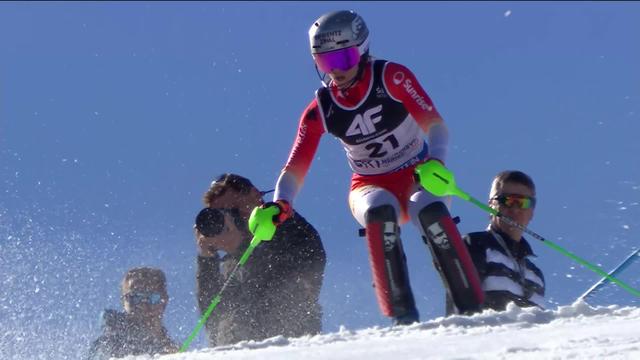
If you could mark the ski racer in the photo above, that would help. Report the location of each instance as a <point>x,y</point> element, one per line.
<point>381,115</point>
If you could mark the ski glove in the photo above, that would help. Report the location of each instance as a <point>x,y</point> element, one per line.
<point>286,211</point>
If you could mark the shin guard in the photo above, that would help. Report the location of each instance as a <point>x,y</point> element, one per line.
<point>388,263</point>
<point>451,257</point>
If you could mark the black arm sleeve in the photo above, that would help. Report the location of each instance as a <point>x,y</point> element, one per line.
<point>297,278</point>
<point>95,350</point>
<point>208,280</point>
<point>477,251</point>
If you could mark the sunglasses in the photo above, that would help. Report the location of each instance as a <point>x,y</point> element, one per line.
<point>263,193</point>
<point>343,59</point>
<point>515,201</point>
<point>138,298</point>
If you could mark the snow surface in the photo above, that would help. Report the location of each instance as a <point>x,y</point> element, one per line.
<point>577,331</point>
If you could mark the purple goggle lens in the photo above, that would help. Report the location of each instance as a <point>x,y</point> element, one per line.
<point>343,59</point>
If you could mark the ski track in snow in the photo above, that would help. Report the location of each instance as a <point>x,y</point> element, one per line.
<point>577,331</point>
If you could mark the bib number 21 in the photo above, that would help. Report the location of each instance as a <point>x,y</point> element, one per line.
<point>376,148</point>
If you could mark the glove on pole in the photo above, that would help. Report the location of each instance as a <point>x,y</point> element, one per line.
<point>438,180</point>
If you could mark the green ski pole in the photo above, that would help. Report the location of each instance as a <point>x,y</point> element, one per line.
<point>440,181</point>
<point>262,227</point>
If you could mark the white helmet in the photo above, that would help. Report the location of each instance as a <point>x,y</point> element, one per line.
<point>338,30</point>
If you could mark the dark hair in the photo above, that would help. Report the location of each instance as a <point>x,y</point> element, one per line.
<point>512,176</point>
<point>224,182</point>
<point>147,275</point>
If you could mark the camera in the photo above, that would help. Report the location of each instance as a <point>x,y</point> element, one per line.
<point>210,222</point>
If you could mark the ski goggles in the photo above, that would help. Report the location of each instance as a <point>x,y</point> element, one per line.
<point>138,298</point>
<point>515,201</point>
<point>342,59</point>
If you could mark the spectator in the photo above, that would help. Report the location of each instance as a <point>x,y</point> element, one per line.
<point>139,329</point>
<point>276,292</point>
<point>501,254</point>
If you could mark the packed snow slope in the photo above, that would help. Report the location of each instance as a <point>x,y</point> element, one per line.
<point>568,332</point>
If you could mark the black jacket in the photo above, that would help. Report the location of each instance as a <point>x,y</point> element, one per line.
<point>507,273</point>
<point>122,337</point>
<point>275,293</point>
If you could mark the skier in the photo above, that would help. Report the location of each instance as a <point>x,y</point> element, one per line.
<point>380,113</point>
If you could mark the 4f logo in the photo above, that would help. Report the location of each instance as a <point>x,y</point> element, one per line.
<point>365,124</point>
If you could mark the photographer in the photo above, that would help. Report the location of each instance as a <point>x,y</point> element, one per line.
<point>276,292</point>
<point>139,329</point>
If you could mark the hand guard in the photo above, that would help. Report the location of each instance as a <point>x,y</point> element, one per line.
<point>436,159</point>
<point>435,177</point>
<point>264,219</point>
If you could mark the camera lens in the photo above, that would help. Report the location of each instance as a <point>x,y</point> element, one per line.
<point>210,222</point>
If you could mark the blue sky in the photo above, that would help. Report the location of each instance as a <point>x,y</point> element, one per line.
<point>114,118</point>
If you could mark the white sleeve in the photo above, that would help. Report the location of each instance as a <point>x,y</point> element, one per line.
<point>286,188</point>
<point>438,139</point>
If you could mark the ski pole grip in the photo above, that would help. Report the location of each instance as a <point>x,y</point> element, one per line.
<point>435,178</point>
<point>261,222</point>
